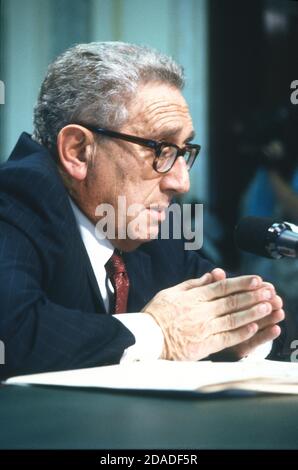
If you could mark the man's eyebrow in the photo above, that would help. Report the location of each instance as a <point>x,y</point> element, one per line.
<point>190,137</point>
<point>167,135</point>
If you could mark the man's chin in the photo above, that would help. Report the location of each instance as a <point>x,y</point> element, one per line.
<point>128,245</point>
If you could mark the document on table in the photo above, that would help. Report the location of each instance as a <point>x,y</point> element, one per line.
<point>201,377</point>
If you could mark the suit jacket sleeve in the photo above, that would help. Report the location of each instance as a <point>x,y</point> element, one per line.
<point>40,335</point>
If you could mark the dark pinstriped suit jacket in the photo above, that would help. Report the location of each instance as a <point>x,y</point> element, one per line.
<point>51,313</point>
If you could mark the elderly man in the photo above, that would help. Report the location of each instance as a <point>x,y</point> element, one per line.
<point>111,121</point>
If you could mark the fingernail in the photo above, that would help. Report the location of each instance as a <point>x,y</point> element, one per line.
<point>267,294</point>
<point>252,328</point>
<point>255,282</point>
<point>263,308</point>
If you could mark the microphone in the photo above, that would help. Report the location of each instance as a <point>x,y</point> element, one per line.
<point>265,237</point>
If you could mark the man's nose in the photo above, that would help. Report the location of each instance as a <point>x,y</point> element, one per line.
<point>177,179</point>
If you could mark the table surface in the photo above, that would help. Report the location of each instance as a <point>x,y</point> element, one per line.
<point>39,417</point>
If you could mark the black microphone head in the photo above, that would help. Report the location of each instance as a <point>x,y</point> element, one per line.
<point>251,234</point>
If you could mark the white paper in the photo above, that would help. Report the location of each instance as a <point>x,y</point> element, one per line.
<point>204,376</point>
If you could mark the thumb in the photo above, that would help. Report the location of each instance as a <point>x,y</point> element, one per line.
<point>218,274</point>
<point>192,283</point>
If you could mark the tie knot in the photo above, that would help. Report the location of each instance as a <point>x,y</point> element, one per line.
<point>115,265</point>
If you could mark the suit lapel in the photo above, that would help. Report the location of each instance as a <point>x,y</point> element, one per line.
<point>98,301</point>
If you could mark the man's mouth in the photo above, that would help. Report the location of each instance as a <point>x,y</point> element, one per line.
<point>158,212</point>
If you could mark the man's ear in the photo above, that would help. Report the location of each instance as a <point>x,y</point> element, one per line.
<point>72,144</point>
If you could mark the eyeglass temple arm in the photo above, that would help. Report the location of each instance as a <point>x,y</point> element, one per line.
<point>118,135</point>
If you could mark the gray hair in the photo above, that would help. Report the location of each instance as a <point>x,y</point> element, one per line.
<point>94,82</point>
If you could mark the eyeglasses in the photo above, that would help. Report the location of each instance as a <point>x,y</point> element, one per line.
<point>166,153</point>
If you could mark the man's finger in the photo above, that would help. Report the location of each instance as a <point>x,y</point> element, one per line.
<point>276,302</point>
<point>229,286</point>
<point>275,316</point>
<point>239,302</point>
<point>236,320</point>
<point>218,274</point>
<point>228,339</point>
<point>268,334</point>
<point>193,283</point>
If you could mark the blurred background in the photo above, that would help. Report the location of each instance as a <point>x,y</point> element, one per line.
<point>240,59</point>
<point>34,32</point>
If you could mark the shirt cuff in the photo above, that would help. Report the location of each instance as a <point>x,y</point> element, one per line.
<point>261,352</point>
<point>148,335</point>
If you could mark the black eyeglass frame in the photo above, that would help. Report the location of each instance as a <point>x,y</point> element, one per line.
<point>157,146</point>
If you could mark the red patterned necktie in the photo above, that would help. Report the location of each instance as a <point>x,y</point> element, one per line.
<point>116,271</point>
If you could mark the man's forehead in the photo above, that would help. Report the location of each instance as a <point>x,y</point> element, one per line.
<point>153,96</point>
<point>163,109</point>
<point>170,132</point>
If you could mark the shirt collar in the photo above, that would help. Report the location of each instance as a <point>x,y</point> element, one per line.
<point>103,246</point>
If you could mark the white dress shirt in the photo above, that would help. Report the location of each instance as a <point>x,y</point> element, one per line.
<point>148,335</point>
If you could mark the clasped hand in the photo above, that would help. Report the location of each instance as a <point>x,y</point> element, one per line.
<point>203,316</point>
